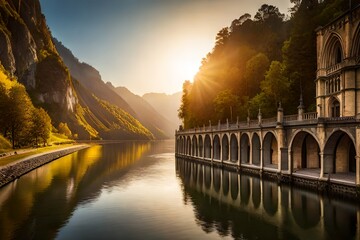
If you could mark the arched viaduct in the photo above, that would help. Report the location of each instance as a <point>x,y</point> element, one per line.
<point>314,148</point>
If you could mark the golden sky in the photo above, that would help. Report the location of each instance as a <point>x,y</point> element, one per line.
<point>145,45</point>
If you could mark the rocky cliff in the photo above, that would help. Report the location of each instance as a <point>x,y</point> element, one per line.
<point>30,55</point>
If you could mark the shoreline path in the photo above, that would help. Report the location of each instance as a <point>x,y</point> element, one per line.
<point>16,169</point>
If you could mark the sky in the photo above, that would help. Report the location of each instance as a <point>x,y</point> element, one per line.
<point>145,45</point>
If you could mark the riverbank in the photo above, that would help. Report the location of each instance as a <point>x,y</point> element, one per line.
<point>12,171</point>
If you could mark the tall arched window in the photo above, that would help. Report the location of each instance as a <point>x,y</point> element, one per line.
<point>334,108</point>
<point>338,55</point>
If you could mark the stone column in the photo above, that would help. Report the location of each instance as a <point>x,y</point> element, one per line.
<point>321,165</point>
<point>357,149</point>
<point>301,109</point>
<point>281,133</point>
<point>260,117</point>
<point>239,151</point>
<point>280,114</point>
<point>321,134</point>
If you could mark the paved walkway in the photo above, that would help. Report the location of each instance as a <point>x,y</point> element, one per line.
<point>314,173</point>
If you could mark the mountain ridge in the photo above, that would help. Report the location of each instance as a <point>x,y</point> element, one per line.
<point>147,114</point>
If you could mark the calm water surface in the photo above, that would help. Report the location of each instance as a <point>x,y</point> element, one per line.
<point>138,190</point>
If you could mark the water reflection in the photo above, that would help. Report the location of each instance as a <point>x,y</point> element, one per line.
<point>26,214</point>
<point>246,207</point>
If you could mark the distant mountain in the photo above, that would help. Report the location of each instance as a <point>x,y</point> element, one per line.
<point>166,105</point>
<point>155,122</point>
<point>107,113</point>
<point>107,120</point>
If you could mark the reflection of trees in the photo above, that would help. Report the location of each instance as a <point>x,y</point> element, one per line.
<point>41,202</point>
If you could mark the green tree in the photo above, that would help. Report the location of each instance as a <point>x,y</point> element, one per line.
<point>276,85</point>
<point>41,125</point>
<point>4,109</point>
<point>19,114</point>
<point>255,71</point>
<point>267,12</point>
<point>225,104</point>
<point>64,129</point>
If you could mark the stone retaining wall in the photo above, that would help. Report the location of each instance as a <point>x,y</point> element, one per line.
<point>15,170</point>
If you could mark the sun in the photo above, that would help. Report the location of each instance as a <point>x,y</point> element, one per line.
<point>186,66</point>
<point>184,61</point>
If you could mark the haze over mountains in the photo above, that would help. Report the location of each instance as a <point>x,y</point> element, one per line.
<point>69,90</point>
<point>148,114</point>
<point>166,105</point>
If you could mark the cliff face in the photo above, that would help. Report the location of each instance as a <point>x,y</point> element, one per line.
<point>90,78</point>
<point>28,54</point>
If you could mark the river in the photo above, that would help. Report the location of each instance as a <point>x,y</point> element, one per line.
<point>138,190</point>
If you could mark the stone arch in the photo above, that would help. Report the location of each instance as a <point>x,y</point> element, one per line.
<point>188,145</point>
<point>340,221</point>
<point>216,179</point>
<point>234,148</point>
<point>178,144</point>
<point>270,198</point>
<point>244,189</point>
<point>225,182</point>
<point>255,142</point>
<point>194,144</point>
<point>183,145</point>
<point>244,148</point>
<point>305,151</point>
<point>334,107</point>
<point>234,185</point>
<point>270,150</point>
<point>305,209</point>
<point>256,192</point>
<point>207,176</point>
<point>207,146</point>
<point>201,146</point>
<point>339,153</point>
<point>333,52</point>
<point>216,147</point>
<point>225,147</point>
<point>355,46</point>
<point>201,176</point>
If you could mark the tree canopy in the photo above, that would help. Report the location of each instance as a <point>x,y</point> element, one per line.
<point>20,121</point>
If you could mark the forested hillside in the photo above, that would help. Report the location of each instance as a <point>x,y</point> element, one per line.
<point>258,62</point>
